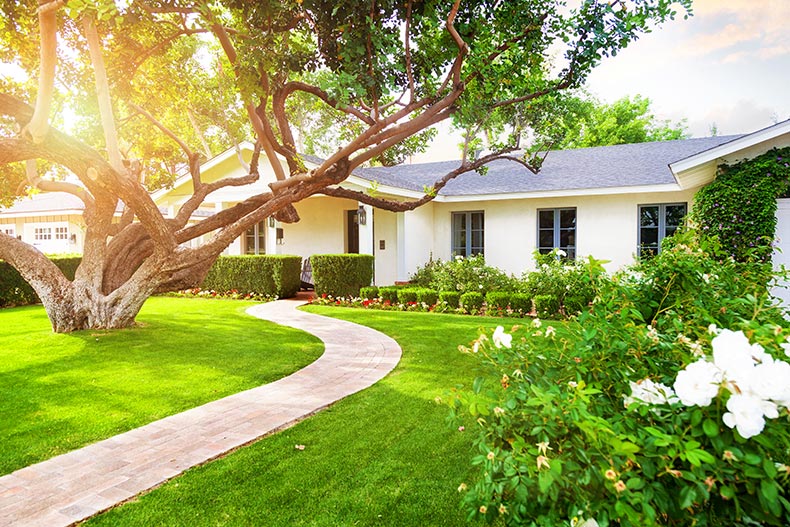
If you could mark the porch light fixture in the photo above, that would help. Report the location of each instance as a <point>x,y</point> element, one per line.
<point>271,221</point>
<point>362,215</point>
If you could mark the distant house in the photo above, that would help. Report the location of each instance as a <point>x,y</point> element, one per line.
<point>50,221</point>
<point>610,202</point>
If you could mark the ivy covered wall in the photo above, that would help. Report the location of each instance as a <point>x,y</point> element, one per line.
<point>740,204</point>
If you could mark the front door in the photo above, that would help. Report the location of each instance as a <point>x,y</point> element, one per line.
<point>352,232</point>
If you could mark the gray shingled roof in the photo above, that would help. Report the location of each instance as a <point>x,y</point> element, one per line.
<point>584,168</point>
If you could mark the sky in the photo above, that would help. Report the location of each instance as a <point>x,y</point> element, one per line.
<point>728,65</point>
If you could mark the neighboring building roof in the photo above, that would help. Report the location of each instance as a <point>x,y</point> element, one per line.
<point>630,165</point>
<point>45,203</point>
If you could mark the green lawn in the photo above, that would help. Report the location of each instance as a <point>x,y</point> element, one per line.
<point>384,456</point>
<point>60,392</point>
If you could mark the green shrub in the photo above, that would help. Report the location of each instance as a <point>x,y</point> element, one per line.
<point>407,295</point>
<point>560,278</point>
<point>389,294</point>
<point>426,296</point>
<point>341,274</point>
<point>547,306</point>
<point>369,293</point>
<point>521,303</point>
<point>269,274</point>
<point>556,446</point>
<point>469,274</point>
<point>453,298</point>
<point>497,300</point>
<point>471,302</point>
<point>424,276</point>
<point>15,291</point>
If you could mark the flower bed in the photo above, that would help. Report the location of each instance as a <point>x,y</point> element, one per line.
<point>233,294</point>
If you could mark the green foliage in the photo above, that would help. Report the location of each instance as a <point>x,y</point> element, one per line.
<point>547,306</point>
<point>389,294</point>
<point>471,302</point>
<point>498,300</point>
<point>556,445</point>
<point>407,295</point>
<point>566,283</point>
<point>452,298</point>
<point>427,296</point>
<point>341,274</point>
<point>466,274</point>
<point>424,275</point>
<point>580,122</point>
<point>369,293</point>
<point>273,275</point>
<point>15,291</point>
<point>521,303</point>
<point>739,206</point>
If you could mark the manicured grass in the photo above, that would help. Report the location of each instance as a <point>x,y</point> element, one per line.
<point>384,456</point>
<point>60,392</point>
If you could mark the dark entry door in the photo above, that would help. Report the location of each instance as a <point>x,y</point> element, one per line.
<point>352,232</point>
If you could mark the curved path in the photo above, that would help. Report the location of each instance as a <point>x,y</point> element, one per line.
<point>77,485</point>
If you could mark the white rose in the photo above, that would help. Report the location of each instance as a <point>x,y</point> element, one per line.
<point>698,383</point>
<point>745,415</point>
<point>501,338</point>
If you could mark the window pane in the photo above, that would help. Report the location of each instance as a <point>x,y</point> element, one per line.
<point>546,219</point>
<point>477,220</point>
<point>567,239</point>
<point>675,214</point>
<point>546,239</point>
<point>649,236</point>
<point>648,216</point>
<point>567,219</point>
<point>477,240</point>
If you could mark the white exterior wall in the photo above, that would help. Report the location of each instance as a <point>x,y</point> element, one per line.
<point>418,233</point>
<point>321,229</point>
<point>606,227</point>
<point>782,256</point>
<point>25,227</point>
<point>385,229</point>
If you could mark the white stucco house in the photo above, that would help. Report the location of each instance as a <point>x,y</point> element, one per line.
<point>610,202</point>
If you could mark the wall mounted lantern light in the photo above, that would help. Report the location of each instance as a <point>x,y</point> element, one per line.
<point>362,215</point>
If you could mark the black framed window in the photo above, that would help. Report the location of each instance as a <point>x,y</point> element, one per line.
<point>557,230</point>
<point>468,233</point>
<point>255,239</point>
<point>656,222</point>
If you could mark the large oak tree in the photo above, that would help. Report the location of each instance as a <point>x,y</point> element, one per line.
<point>207,72</point>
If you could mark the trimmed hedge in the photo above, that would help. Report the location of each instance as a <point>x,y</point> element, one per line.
<point>389,294</point>
<point>498,299</point>
<point>453,298</point>
<point>406,296</point>
<point>15,291</point>
<point>521,303</point>
<point>269,274</point>
<point>369,293</point>
<point>547,306</point>
<point>426,296</point>
<point>472,301</point>
<point>341,274</point>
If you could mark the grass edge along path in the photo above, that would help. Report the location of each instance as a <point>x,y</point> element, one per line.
<point>59,392</point>
<point>384,456</point>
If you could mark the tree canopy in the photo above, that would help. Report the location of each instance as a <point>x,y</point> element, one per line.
<point>585,121</point>
<point>118,97</point>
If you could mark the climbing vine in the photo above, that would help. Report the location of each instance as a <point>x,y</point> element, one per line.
<point>739,206</point>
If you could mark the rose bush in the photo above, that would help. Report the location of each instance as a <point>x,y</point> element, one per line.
<point>641,411</point>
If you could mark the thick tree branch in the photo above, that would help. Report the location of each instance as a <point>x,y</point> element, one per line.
<point>103,95</point>
<point>48,56</point>
<point>252,114</point>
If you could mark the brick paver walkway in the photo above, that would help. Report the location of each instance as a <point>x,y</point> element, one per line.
<point>75,486</point>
